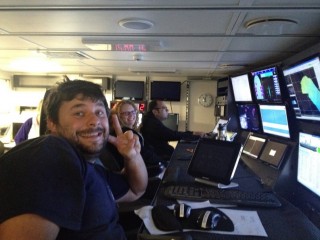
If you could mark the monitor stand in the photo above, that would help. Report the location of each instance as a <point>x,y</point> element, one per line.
<point>215,184</point>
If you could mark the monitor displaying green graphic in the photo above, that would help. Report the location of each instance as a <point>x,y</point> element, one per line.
<point>303,81</point>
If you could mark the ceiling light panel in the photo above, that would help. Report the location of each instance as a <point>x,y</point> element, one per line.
<point>129,45</point>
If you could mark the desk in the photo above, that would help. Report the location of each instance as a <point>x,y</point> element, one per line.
<point>284,223</point>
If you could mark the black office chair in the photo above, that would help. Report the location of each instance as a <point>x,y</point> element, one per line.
<point>127,218</point>
<point>1,148</point>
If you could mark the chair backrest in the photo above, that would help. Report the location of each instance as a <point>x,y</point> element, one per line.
<point>1,148</point>
<point>43,117</point>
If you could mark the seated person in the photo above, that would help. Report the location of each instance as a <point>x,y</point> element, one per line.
<point>127,113</point>
<point>54,186</point>
<point>30,128</point>
<point>157,134</point>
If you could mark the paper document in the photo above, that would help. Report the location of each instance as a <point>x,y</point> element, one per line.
<point>245,222</point>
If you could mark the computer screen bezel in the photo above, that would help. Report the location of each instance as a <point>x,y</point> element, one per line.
<point>294,101</point>
<point>165,91</point>
<point>206,156</point>
<point>270,133</point>
<point>137,89</point>
<point>300,159</point>
<point>249,104</point>
<point>241,92</point>
<point>276,74</point>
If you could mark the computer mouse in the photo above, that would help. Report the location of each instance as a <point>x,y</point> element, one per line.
<point>181,210</point>
<point>164,219</point>
<point>208,219</point>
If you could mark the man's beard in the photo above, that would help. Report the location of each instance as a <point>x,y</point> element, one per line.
<point>92,149</point>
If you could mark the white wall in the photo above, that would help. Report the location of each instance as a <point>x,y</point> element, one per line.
<point>200,118</point>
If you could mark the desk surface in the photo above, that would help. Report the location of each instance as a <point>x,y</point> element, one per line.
<point>286,222</point>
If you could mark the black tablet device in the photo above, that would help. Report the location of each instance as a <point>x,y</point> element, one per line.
<point>215,161</point>
<point>273,153</point>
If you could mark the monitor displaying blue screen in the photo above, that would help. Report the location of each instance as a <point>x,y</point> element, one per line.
<point>303,81</point>
<point>249,117</point>
<point>308,162</point>
<point>266,85</point>
<point>274,120</point>
<point>241,88</point>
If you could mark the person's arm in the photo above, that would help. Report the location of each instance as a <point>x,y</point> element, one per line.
<point>157,129</point>
<point>28,227</point>
<point>135,170</point>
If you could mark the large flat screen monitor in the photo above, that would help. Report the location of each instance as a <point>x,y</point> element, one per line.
<point>133,90</point>
<point>303,81</point>
<point>309,162</point>
<point>248,115</point>
<point>241,88</point>
<point>165,90</point>
<point>274,120</point>
<point>266,85</point>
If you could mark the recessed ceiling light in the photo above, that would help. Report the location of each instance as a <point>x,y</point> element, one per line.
<point>136,23</point>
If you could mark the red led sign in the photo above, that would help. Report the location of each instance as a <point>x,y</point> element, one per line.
<point>129,47</point>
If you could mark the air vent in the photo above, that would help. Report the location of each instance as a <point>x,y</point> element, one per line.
<point>271,26</point>
<point>262,21</point>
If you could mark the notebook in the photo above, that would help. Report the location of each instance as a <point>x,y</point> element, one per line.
<point>273,153</point>
<point>215,161</point>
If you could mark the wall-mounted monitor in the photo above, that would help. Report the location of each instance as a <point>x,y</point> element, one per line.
<point>266,86</point>
<point>165,90</point>
<point>274,119</point>
<point>308,162</point>
<point>303,83</point>
<point>248,115</point>
<point>133,90</point>
<point>241,88</point>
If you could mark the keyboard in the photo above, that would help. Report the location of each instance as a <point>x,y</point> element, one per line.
<point>224,196</point>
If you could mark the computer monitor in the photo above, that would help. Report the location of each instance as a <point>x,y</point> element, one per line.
<point>241,88</point>
<point>133,90</point>
<point>303,82</point>
<point>274,120</point>
<point>308,162</point>
<point>253,146</point>
<point>248,115</point>
<point>165,90</point>
<point>266,86</point>
<point>172,121</point>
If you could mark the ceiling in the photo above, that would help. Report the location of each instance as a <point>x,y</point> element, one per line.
<point>187,38</point>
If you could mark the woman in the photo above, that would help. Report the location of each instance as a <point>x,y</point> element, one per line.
<point>128,116</point>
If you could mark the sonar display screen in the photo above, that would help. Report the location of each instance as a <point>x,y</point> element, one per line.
<point>303,82</point>
<point>266,85</point>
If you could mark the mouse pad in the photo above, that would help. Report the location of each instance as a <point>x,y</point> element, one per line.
<point>165,220</point>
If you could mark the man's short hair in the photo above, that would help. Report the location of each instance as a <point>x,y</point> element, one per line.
<point>68,90</point>
<point>152,105</point>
